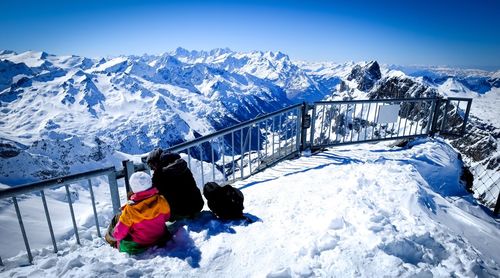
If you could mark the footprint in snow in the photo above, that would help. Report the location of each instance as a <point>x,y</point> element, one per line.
<point>337,223</point>
<point>282,273</point>
<point>379,223</point>
<point>417,249</point>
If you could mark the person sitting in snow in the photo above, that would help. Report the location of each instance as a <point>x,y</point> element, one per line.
<point>175,181</point>
<point>141,223</point>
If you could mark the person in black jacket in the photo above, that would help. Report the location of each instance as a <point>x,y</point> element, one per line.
<point>175,182</point>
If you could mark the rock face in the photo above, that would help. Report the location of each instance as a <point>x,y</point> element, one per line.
<point>401,87</point>
<point>366,76</point>
<point>479,142</point>
<point>10,149</point>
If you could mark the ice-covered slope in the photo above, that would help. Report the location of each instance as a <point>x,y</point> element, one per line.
<point>371,211</point>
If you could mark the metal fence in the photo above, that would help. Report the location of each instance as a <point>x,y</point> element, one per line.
<point>242,150</point>
<point>452,115</point>
<point>486,186</point>
<point>358,121</point>
<point>40,187</point>
<point>352,122</point>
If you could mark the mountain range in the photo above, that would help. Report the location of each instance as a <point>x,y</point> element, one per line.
<point>63,114</point>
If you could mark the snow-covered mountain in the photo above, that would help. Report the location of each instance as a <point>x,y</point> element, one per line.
<point>61,114</point>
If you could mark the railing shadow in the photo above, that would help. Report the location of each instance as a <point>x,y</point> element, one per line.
<point>335,160</point>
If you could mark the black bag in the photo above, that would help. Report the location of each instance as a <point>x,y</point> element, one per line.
<point>226,202</point>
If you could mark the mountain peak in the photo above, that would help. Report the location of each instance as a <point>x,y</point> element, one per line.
<point>278,55</point>
<point>181,51</point>
<point>220,51</point>
<point>6,52</point>
<point>366,75</point>
<point>43,55</point>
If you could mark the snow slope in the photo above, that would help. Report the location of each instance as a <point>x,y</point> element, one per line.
<point>371,211</point>
<point>486,107</point>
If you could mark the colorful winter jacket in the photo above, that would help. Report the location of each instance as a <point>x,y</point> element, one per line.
<point>143,218</point>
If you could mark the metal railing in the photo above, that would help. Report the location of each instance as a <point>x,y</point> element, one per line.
<point>359,121</point>
<point>242,150</point>
<point>452,115</point>
<point>225,156</point>
<point>40,187</point>
<point>351,122</point>
<point>486,186</point>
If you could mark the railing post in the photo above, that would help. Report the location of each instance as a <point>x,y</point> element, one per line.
<point>241,153</point>
<point>305,123</point>
<point>298,129</point>
<point>70,203</point>
<point>201,163</point>
<point>497,207</point>
<point>436,109</point>
<point>23,231</point>
<point>113,189</point>
<point>313,122</point>
<point>49,223</point>
<point>94,208</point>
<point>445,116</point>
<point>466,118</point>
<point>128,168</point>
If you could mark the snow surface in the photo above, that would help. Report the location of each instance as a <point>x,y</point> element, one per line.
<point>487,107</point>
<point>372,210</point>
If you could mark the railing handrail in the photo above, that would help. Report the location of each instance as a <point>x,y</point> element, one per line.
<point>49,183</point>
<point>459,98</point>
<point>377,100</point>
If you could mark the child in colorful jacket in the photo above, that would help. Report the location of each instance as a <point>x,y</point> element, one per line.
<point>142,220</point>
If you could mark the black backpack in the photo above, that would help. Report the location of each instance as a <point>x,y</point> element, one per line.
<point>226,202</point>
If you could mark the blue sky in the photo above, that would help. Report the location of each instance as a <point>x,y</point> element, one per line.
<point>455,33</point>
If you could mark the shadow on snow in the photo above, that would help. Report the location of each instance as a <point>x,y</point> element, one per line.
<point>182,246</point>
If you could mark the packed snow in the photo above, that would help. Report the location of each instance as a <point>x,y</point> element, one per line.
<point>372,210</point>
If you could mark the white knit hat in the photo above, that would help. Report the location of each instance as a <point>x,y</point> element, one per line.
<point>140,181</point>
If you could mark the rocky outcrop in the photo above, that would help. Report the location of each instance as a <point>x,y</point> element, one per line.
<point>479,143</point>
<point>400,87</point>
<point>366,76</point>
<point>10,148</point>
